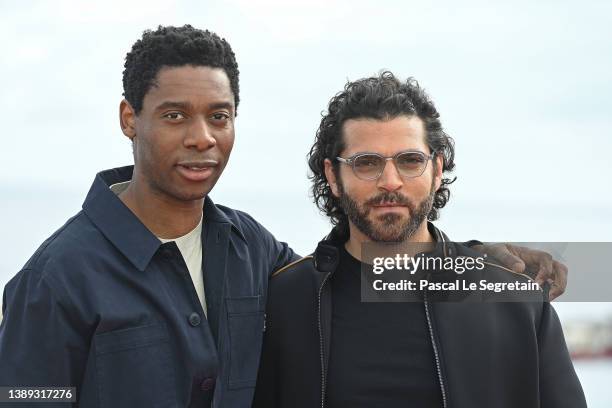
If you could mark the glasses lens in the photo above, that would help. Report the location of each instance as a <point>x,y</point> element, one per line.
<point>368,166</point>
<point>411,164</point>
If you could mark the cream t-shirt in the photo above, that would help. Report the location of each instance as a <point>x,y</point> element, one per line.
<point>190,246</point>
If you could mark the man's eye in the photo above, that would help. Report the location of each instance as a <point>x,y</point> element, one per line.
<point>370,161</point>
<point>174,115</point>
<point>220,116</point>
<point>410,159</point>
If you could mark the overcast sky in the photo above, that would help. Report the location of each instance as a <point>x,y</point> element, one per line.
<point>523,88</point>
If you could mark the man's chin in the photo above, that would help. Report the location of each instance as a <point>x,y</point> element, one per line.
<point>194,191</point>
<point>382,232</point>
<point>387,237</point>
<point>390,219</point>
<point>194,197</point>
<point>186,195</point>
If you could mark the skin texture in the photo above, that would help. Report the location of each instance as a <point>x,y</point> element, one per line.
<point>385,137</point>
<point>390,137</point>
<point>187,120</point>
<point>201,128</point>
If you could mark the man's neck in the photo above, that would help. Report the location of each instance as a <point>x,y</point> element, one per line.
<point>356,240</point>
<point>163,216</point>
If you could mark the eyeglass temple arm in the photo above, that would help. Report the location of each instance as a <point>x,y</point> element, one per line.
<point>343,160</point>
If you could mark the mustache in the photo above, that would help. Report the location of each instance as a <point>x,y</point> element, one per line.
<point>389,197</point>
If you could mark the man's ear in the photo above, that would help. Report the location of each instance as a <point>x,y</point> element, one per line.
<point>331,177</point>
<point>127,119</point>
<point>439,165</point>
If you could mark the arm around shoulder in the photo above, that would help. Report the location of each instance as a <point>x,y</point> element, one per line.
<point>279,253</point>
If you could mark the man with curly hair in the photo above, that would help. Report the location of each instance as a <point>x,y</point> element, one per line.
<point>152,295</point>
<point>378,171</point>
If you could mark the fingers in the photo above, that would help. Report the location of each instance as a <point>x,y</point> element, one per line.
<point>559,281</point>
<point>519,259</point>
<point>544,263</point>
<point>548,270</point>
<point>505,254</point>
<point>538,263</point>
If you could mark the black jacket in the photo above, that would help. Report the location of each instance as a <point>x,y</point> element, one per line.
<point>497,354</point>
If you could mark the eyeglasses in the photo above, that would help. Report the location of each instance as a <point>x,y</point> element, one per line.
<point>370,166</point>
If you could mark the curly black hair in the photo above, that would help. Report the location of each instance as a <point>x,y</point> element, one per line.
<point>381,97</point>
<point>171,47</point>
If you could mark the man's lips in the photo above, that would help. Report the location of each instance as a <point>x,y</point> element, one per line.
<point>388,205</point>
<point>197,170</point>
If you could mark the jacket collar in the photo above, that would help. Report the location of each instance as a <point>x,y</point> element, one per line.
<point>327,255</point>
<point>122,228</point>
<point>443,242</point>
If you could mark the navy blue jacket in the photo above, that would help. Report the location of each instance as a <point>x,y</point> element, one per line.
<point>104,306</point>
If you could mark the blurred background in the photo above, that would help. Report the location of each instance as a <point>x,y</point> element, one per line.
<point>522,86</point>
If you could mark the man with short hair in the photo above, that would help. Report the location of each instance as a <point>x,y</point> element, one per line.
<point>378,171</point>
<point>152,295</point>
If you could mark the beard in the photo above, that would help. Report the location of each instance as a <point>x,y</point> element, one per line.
<point>388,227</point>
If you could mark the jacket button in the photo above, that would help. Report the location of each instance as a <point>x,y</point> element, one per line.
<point>194,319</point>
<point>208,384</point>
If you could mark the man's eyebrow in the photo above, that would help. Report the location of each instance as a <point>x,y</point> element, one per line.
<point>189,106</point>
<point>221,105</point>
<point>173,105</point>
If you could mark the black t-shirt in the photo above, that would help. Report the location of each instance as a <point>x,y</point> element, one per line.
<point>381,353</point>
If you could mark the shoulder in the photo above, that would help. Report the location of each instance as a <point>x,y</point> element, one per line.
<point>303,264</point>
<point>296,274</point>
<point>243,222</point>
<point>292,290</point>
<point>77,240</point>
<point>525,297</point>
<point>256,235</point>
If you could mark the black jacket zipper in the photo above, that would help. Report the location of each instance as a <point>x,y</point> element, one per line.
<point>435,350</point>
<point>431,334</point>
<point>321,345</point>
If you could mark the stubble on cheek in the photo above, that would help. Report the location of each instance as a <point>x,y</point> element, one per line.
<point>152,161</point>
<point>387,227</point>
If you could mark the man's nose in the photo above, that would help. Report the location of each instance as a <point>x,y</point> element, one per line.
<point>200,135</point>
<point>390,179</point>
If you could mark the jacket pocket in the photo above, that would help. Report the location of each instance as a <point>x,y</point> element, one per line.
<point>134,368</point>
<point>246,323</point>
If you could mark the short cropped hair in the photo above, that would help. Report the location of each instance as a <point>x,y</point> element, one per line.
<point>173,47</point>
